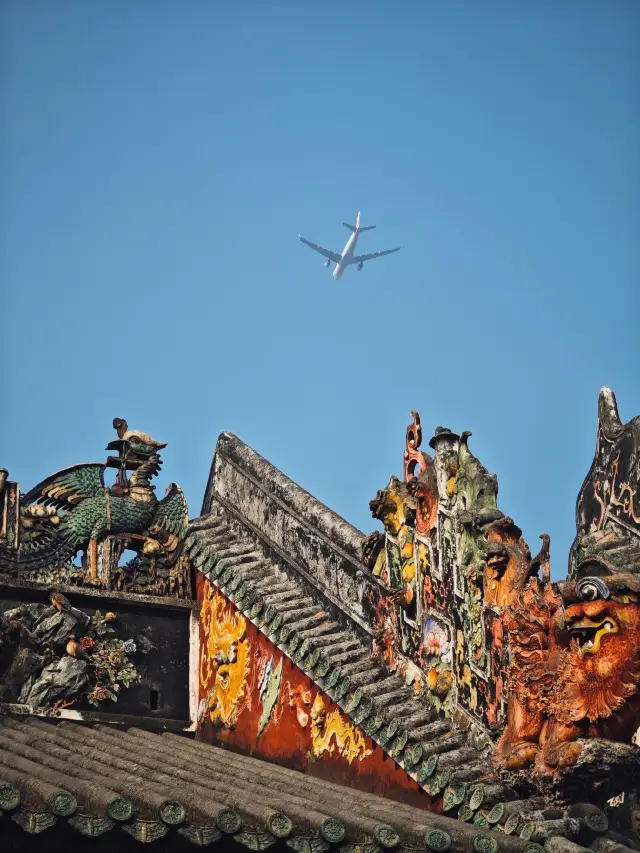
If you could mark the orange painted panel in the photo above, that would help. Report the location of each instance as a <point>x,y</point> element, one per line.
<point>256,701</point>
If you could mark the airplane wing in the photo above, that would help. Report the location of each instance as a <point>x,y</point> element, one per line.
<point>333,256</point>
<point>358,259</point>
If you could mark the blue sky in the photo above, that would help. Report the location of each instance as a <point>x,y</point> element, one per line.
<point>158,160</point>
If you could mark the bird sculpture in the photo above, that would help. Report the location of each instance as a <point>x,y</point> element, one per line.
<point>138,442</point>
<point>542,561</point>
<point>62,604</point>
<point>87,511</point>
<point>75,650</point>
<point>59,601</point>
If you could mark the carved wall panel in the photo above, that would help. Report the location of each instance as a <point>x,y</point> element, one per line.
<point>448,563</point>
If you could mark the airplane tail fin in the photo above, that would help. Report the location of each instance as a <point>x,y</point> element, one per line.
<point>357,226</point>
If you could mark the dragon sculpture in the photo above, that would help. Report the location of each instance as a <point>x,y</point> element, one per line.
<point>74,510</point>
<point>575,645</point>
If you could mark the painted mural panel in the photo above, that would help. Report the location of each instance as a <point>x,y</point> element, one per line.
<point>254,699</point>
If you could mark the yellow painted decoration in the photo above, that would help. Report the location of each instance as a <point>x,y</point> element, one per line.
<point>224,657</point>
<point>406,552</point>
<point>408,572</point>
<point>332,731</point>
<point>381,564</point>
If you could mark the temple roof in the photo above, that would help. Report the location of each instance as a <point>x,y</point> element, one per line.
<point>334,654</point>
<point>96,777</point>
<point>258,537</point>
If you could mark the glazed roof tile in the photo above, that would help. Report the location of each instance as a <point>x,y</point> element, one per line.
<point>97,777</point>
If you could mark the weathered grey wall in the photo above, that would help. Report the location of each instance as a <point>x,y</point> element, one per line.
<point>310,536</point>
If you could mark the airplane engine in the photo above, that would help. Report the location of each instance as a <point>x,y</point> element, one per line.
<point>326,263</point>
<point>360,265</point>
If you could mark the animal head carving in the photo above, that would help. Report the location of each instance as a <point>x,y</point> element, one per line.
<point>600,662</point>
<point>394,507</point>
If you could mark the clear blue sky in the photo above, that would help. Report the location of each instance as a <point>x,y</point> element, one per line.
<point>158,160</point>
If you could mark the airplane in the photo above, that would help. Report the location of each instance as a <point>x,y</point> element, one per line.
<point>347,257</point>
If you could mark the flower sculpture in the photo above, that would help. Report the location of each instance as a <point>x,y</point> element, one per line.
<point>110,667</point>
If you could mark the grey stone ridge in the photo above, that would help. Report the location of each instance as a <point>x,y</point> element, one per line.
<point>97,779</point>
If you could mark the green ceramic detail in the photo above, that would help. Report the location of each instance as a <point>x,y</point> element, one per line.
<point>438,840</point>
<point>386,835</point>
<point>477,798</point>
<point>280,825</point>
<point>342,687</point>
<point>255,839</point>
<point>323,666</point>
<point>256,608</point>
<point>412,756</point>
<point>360,714</point>
<point>173,813</point>
<point>294,643</point>
<point>313,659</point>
<point>443,779</point>
<point>218,568</point>
<point>229,821</point>
<point>381,718</point>
<point>485,844</point>
<point>33,822</point>
<point>432,764</point>
<point>145,830</point>
<point>496,814</point>
<point>334,676</point>
<point>400,741</point>
<point>305,648</point>
<point>422,775</point>
<point>454,796</point>
<point>234,583</point>
<point>307,845</point>
<point>268,614</point>
<point>332,830</point>
<point>511,824</point>
<point>9,797</point>
<point>393,728</point>
<point>92,827</point>
<point>275,620</point>
<point>383,737</point>
<point>527,830</point>
<point>351,704</point>
<point>120,808</point>
<point>200,835</point>
<point>63,804</point>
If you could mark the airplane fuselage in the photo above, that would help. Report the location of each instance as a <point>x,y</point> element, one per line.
<point>347,254</point>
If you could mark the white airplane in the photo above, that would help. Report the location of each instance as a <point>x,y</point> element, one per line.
<point>347,257</point>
